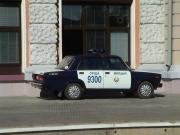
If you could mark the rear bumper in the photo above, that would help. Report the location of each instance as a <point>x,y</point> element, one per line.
<point>37,85</point>
<point>160,85</point>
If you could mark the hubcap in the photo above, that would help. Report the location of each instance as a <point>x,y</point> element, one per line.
<point>145,90</point>
<point>74,91</point>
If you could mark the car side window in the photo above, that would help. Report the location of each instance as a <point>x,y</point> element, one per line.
<point>114,63</point>
<point>91,63</point>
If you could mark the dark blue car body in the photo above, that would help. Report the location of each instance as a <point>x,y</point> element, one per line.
<point>112,74</point>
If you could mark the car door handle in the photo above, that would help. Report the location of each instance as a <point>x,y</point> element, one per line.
<point>107,73</point>
<point>81,73</point>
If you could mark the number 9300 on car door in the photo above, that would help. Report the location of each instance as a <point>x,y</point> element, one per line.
<point>104,73</point>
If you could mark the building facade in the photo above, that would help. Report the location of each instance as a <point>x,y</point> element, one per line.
<point>37,34</point>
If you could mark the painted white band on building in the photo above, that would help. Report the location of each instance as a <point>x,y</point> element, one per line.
<point>90,127</point>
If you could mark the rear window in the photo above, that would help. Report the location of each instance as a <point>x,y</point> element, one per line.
<point>66,62</point>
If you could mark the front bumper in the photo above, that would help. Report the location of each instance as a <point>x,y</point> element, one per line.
<point>37,85</point>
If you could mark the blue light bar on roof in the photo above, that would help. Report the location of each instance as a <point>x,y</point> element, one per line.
<point>97,51</point>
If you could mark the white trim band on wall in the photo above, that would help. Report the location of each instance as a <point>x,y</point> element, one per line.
<point>23,35</point>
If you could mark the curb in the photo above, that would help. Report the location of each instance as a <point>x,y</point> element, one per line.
<point>89,127</point>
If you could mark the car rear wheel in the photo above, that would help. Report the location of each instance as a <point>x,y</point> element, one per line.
<point>73,91</point>
<point>45,93</point>
<point>145,90</point>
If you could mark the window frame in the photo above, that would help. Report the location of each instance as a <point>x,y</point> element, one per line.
<point>12,68</point>
<point>99,1</point>
<point>106,28</point>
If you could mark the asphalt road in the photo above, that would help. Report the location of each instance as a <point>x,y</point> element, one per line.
<point>31,112</point>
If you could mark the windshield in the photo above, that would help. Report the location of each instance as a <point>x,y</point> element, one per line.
<point>66,62</point>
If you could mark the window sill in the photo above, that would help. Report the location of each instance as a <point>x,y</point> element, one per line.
<point>12,78</point>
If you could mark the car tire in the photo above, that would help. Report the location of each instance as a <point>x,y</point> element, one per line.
<point>45,93</point>
<point>73,91</point>
<point>145,90</point>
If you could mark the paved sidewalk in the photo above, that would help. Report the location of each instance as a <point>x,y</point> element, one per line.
<point>30,112</point>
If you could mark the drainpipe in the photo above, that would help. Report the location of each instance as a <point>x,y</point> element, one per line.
<point>169,34</point>
<point>59,48</point>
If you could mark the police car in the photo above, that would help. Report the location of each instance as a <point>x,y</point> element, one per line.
<point>77,74</point>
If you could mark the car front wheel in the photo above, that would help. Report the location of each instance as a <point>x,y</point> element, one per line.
<point>73,91</point>
<point>145,90</point>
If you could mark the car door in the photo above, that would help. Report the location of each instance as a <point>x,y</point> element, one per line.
<point>91,73</point>
<point>116,74</point>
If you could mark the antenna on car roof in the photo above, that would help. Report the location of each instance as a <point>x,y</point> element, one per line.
<point>96,51</point>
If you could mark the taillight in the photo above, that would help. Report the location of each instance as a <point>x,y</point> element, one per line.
<point>39,78</point>
<point>157,76</point>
